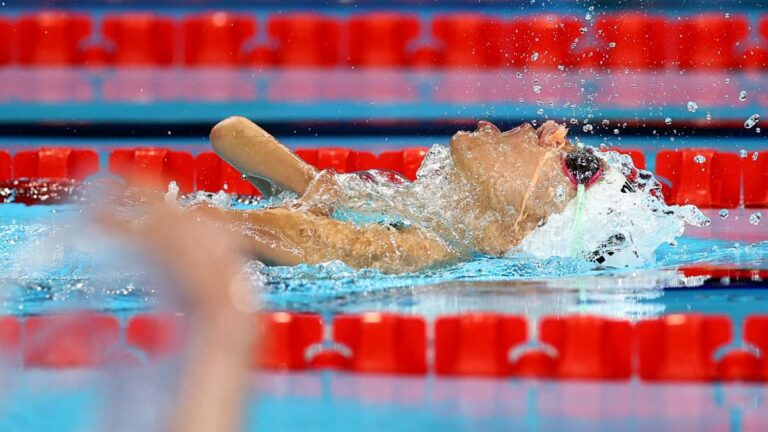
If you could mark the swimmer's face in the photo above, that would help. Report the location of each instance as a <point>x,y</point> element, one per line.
<point>520,168</point>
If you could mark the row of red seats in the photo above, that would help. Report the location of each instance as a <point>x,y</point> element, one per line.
<point>706,178</point>
<point>674,347</point>
<point>636,40</point>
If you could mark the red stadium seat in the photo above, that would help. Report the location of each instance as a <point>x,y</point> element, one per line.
<point>477,343</point>
<point>701,177</point>
<point>589,347</point>
<point>217,39</point>
<point>52,38</point>
<point>709,41</point>
<point>5,166</point>
<point>10,337</point>
<point>7,41</point>
<point>153,167</point>
<point>406,162</point>
<point>681,347</point>
<point>214,175</point>
<point>755,180</point>
<point>73,340</point>
<point>157,335</point>
<point>306,39</point>
<point>634,40</point>
<point>56,163</point>
<point>383,342</point>
<point>381,39</point>
<point>543,42</point>
<point>285,340</point>
<point>340,160</point>
<point>140,39</point>
<point>470,40</point>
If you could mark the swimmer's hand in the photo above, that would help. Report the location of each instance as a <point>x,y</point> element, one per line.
<point>202,259</point>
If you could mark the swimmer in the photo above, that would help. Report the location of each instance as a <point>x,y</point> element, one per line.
<point>485,193</point>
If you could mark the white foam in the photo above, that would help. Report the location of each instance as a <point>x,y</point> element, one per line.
<point>641,219</point>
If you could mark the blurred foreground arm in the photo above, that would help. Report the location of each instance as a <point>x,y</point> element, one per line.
<point>201,259</point>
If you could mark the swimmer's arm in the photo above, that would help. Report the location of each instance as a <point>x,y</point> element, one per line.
<point>203,261</point>
<point>283,236</point>
<point>254,152</point>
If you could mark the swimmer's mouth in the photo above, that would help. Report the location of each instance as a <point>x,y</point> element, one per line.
<point>582,168</point>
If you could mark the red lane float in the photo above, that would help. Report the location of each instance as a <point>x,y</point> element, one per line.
<point>10,337</point>
<point>56,163</point>
<point>755,180</point>
<point>477,343</point>
<point>734,274</point>
<point>140,39</point>
<point>285,340</point>
<point>634,40</point>
<point>72,340</point>
<point>52,38</point>
<point>406,162</point>
<point>340,160</point>
<point>383,342</point>
<point>217,39</point>
<point>7,41</point>
<point>470,40</point>
<point>153,167</point>
<point>306,39</point>
<point>681,347</point>
<point>213,174</point>
<point>380,39</point>
<point>157,335</point>
<point>710,41</point>
<point>589,347</point>
<point>5,165</point>
<point>702,177</point>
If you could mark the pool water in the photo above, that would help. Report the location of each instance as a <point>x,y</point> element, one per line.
<point>50,262</point>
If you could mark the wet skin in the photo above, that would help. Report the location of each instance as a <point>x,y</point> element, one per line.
<point>516,179</point>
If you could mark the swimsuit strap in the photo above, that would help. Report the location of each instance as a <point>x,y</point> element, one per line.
<point>534,181</point>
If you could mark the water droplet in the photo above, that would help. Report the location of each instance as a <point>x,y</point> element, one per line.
<point>709,116</point>
<point>534,56</point>
<point>583,29</point>
<point>519,74</point>
<point>537,89</point>
<point>612,45</point>
<point>752,121</point>
<point>699,159</point>
<point>540,111</point>
<point>587,128</point>
<point>667,121</point>
<point>742,153</point>
<point>588,16</point>
<point>755,217</point>
<point>169,132</point>
<point>742,95</point>
<point>606,122</point>
<point>615,131</point>
<point>724,213</point>
<point>754,156</point>
<point>757,130</point>
<point>727,15</point>
<point>692,106</point>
